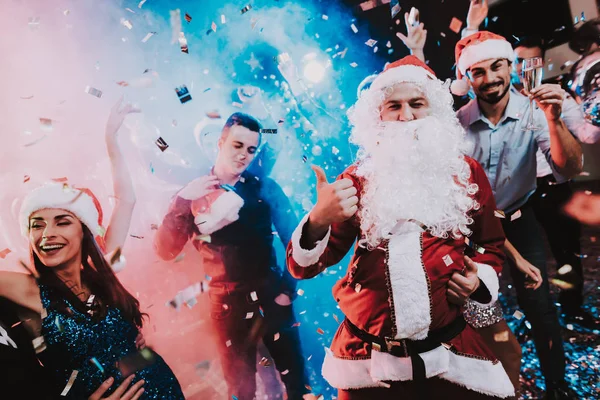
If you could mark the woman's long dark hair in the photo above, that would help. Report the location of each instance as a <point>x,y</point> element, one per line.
<point>99,276</point>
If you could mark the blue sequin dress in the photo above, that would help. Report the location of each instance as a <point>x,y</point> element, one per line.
<point>75,341</point>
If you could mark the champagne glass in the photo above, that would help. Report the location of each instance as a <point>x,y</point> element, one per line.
<point>531,74</point>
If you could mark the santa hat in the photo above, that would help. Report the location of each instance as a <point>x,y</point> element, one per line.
<point>81,202</point>
<point>407,69</point>
<point>475,48</point>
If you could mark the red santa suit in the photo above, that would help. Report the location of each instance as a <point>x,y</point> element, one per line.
<point>398,291</point>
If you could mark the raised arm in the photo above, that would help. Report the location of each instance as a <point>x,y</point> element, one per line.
<point>478,12</point>
<point>124,194</point>
<point>415,38</point>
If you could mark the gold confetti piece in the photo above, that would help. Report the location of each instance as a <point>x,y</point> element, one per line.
<point>70,382</point>
<point>515,216</point>
<point>499,214</point>
<point>357,288</point>
<point>213,114</point>
<point>320,331</point>
<point>179,257</point>
<point>562,284</point>
<point>518,315</point>
<point>447,260</point>
<point>93,91</point>
<point>148,36</point>
<point>501,336</point>
<point>276,337</point>
<point>455,25</point>
<point>4,253</point>
<point>300,292</point>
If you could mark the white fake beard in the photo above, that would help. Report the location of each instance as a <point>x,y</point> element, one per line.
<point>414,170</point>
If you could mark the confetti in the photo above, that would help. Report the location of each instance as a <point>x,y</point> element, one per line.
<point>148,36</point>
<point>353,64</point>
<point>580,255</point>
<point>562,284</point>
<point>213,114</point>
<point>141,3</point>
<point>228,343</point>
<point>246,9</point>
<point>325,17</point>
<point>370,4</point>
<point>34,22</point>
<point>354,28</point>
<point>501,336</point>
<point>175,26</point>
<point>518,315</point>
<point>371,42</point>
<point>154,227</point>
<point>249,315</point>
<point>565,269</point>
<point>162,145</point>
<point>203,238</point>
<point>455,25</point>
<point>447,260</point>
<point>516,215</point>
<point>183,94</point>
<point>126,23</point>
<point>320,331</point>
<point>66,12</point>
<point>93,91</point>
<point>395,10</point>
<point>264,362</point>
<point>4,253</point>
<point>136,237</point>
<point>474,246</point>
<point>70,383</point>
<point>287,371</point>
<point>223,20</point>
<point>188,17</point>
<point>499,214</point>
<point>335,317</point>
<point>413,17</point>
<point>137,361</point>
<point>357,288</point>
<point>300,292</point>
<point>297,324</point>
<point>183,43</point>
<point>97,364</point>
<point>46,124</point>
<point>179,258</point>
<point>213,26</point>
<point>188,295</point>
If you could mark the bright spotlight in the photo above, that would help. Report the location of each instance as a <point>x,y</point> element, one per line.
<point>314,71</point>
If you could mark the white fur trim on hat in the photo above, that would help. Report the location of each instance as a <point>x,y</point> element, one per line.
<point>403,73</point>
<point>459,87</point>
<point>64,197</point>
<point>486,50</point>
<point>223,211</point>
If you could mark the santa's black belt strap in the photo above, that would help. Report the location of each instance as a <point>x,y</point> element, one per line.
<point>410,348</point>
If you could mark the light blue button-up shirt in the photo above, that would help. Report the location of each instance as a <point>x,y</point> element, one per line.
<point>507,152</point>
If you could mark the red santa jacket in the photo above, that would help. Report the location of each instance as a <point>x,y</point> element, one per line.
<point>399,290</point>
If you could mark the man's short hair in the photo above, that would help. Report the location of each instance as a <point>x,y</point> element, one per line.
<point>585,36</point>
<point>530,42</point>
<point>245,120</point>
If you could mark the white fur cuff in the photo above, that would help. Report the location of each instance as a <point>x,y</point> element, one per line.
<point>488,275</point>
<point>222,212</point>
<point>304,257</point>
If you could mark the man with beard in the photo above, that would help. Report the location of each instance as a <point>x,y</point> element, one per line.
<point>413,201</point>
<point>495,122</point>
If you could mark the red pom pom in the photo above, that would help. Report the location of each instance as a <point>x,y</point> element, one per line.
<point>459,87</point>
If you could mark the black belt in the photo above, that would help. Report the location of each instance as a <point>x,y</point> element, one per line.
<point>411,348</point>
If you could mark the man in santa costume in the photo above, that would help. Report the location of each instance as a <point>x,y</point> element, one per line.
<point>415,205</point>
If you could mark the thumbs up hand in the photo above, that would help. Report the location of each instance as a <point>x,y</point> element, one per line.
<point>336,202</point>
<point>460,287</point>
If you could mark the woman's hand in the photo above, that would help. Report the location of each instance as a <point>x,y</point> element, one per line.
<point>116,117</point>
<point>533,274</point>
<point>134,392</point>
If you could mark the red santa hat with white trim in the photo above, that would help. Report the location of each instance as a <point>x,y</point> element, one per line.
<point>407,69</point>
<point>473,49</point>
<point>80,202</point>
